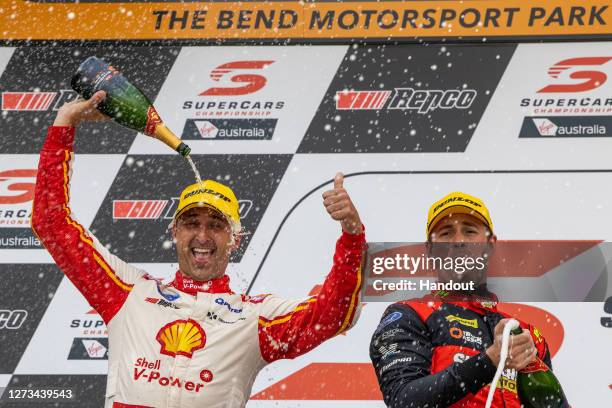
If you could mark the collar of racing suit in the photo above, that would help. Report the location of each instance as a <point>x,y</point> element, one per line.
<point>188,285</point>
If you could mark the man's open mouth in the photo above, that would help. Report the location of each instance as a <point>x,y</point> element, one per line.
<point>202,255</point>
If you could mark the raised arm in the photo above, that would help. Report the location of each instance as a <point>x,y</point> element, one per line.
<point>288,329</point>
<point>101,277</point>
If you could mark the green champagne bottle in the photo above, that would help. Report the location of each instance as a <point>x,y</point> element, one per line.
<point>124,102</point>
<point>537,385</point>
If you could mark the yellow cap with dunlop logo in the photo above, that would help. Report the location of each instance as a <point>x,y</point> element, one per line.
<point>458,203</point>
<point>211,194</point>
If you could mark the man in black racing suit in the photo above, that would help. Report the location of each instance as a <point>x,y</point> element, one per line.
<point>443,350</point>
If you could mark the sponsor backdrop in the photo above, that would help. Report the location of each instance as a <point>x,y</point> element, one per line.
<point>525,127</point>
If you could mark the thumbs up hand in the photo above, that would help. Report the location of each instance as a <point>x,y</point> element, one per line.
<point>339,205</point>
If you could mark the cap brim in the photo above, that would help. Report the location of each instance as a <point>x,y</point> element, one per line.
<point>202,205</point>
<point>457,209</point>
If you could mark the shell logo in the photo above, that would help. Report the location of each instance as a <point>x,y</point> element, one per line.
<point>182,337</point>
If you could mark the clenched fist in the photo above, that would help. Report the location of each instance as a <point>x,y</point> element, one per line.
<point>339,205</point>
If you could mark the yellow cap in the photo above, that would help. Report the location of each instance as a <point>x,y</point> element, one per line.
<point>211,194</point>
<point>458,203</point>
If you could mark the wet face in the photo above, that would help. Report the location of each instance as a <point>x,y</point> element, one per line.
<point>204,242</point>
<point>461,235</point>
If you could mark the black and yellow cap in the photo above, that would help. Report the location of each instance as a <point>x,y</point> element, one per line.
<point>458,203</point>
<point>210,193</point>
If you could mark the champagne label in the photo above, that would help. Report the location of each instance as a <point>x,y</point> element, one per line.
<point>535,366</point>
<point>153,120</point>
<point>537,334</point>
<point>507,381</point>
<point>104,76</point>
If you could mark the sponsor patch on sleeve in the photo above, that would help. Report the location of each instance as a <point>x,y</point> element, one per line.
<point>388,320</point>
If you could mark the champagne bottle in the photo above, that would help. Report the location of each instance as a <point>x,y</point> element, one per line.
<point>537,385</point>
<point>124,102</point>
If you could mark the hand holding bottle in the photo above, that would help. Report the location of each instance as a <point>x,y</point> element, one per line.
<point>81,110</point>
<point>522,349</point>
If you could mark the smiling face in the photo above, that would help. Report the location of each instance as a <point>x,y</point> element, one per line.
<point>461,235</point>
<point>204,242</point>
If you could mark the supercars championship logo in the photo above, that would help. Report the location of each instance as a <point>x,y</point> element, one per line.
<point>16,195</point>
<point>17,186</point>
<point>228,100</point>
<point>576,88</point>
<point>583,71</point>
<point>231,109</point>
<point>234,72</point>
<point>90,341</point>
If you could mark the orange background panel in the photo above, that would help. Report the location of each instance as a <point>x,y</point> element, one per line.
<point>22,20</point>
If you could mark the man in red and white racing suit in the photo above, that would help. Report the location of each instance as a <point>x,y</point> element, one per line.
<point>193,342</point>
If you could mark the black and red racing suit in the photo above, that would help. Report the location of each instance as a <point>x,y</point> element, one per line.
<point>429,353</point>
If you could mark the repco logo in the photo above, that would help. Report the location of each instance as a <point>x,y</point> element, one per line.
<point>580,69</point>
<point>159,209</point>
<point>231,73</point>
<point>36,100</point>
<point>12,319</point>
<point>17,186</point>
<point>421,101</point>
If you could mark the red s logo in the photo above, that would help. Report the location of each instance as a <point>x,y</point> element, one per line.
<point>252,82</point>
<point>26,189</point>
<point>592,79</point>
